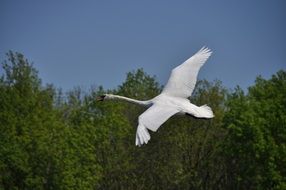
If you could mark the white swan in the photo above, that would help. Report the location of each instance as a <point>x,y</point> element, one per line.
<point>173,99</point>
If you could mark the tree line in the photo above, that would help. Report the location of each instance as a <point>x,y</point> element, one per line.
<point>50,139</point>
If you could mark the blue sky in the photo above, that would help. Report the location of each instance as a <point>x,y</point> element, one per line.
<point>84,43</point>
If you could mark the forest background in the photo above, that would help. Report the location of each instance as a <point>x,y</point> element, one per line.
<point>51,139</point>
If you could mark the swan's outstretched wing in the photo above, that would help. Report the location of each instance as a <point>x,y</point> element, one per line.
<point>152,119</point>
<point>184,77</point>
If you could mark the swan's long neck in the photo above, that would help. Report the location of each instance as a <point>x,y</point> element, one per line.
<point>112,96</point>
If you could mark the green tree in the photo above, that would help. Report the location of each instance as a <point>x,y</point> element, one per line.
<point>255,145</point>
<point>55,140</point>
<point>19,88</point>
<point>39,149</point>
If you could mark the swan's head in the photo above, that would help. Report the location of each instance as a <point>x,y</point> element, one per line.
<point>100,98</point>
<point>105,97</point>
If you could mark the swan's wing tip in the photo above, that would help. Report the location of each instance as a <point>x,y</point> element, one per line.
<point>205,50</point>
<point>142,136</point>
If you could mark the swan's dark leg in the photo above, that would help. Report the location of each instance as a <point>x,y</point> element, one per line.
<point>201,118</point>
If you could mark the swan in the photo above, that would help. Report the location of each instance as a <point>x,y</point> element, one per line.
<point>172,100</point>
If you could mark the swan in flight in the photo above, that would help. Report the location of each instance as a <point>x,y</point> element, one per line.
<point>172,100</point>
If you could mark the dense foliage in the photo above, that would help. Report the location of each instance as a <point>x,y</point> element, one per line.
<point>55,140</point>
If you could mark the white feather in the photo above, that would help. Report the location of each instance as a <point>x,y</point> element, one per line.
<point>184,77</point>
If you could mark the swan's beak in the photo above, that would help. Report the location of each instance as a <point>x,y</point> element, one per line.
<point>100,98</point>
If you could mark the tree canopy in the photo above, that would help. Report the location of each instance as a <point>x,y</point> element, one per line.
<point>51,139</point>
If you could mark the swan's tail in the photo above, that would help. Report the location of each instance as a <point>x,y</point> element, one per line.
<point>205,112</point>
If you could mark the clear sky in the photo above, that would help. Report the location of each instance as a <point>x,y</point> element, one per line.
<point>84,43</point>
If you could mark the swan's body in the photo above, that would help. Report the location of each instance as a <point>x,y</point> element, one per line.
<point>173,99</point>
